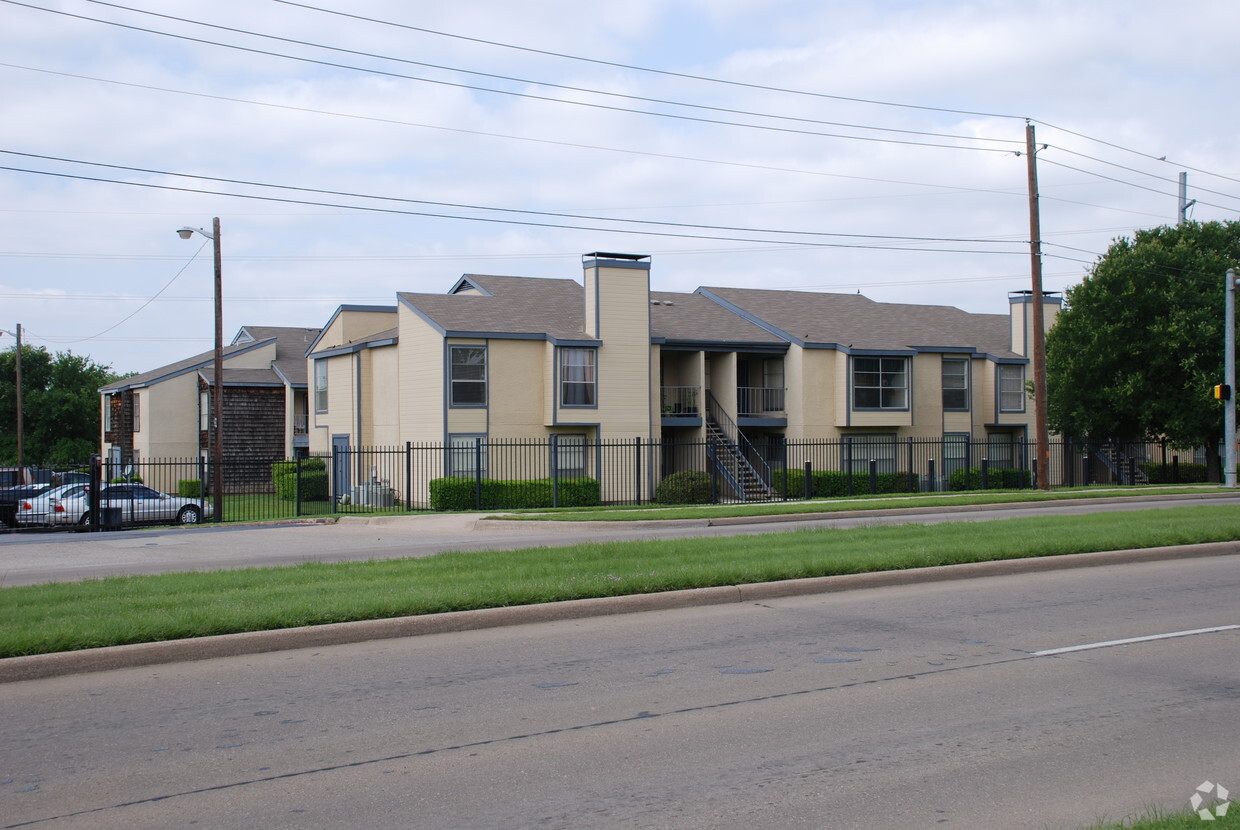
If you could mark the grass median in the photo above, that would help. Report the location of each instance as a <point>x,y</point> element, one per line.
<point>69,616</point>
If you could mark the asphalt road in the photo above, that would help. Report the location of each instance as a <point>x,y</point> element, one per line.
<point>910,706</point>
<point>29,559</point>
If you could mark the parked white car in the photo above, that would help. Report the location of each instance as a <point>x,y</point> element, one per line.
<point>52,507</point>
<point>70,504</point>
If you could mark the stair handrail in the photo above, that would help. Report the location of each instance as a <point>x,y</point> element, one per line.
<point>746,453</point>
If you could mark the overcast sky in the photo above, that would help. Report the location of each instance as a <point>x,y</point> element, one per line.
<point>356,149</point>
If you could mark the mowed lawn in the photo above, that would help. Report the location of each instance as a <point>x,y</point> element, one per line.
<point>68,616</point>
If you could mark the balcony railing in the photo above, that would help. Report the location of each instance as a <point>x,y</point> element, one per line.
<point>679,402</point>
<point>301,424</point>
<point>757,401</point>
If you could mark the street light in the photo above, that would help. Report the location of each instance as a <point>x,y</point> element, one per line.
<point>217,390</point>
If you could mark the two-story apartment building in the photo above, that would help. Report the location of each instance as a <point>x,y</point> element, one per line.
<point>499,358</point>
<point>164,413</point>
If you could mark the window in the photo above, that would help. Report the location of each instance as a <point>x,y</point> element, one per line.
<point>107,413</point>
<point>999,449</point>
<point>578,385</point>
<point>880,383</point>
<point>861,449</point>
<point>467,455</point>
<point>570,456</point>
<point>955,384</point>
<point>204,410</point>
<point>467,374</point>
<point>320,386</point>
<point>1011,387</point>
<point>137,412</point>
<point>955,452</point>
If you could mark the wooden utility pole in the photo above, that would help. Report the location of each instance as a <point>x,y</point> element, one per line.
<point>1038,338</point>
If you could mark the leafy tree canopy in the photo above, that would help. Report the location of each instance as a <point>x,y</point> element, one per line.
<point>60,402</point>
<point>1139,343</point>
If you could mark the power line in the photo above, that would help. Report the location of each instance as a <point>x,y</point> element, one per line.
<point>552,85</point>
<point>524,95</point>
<point>394,211</point>
<point>483,133</point>
<point>458,206</point>
<point>663,72</point>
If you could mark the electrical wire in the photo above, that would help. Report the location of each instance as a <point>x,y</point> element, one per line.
<point>524,95</point>
<point>458,206</point>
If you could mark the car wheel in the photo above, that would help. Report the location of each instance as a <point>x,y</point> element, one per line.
<point>189,516</point>
<point>85,520</point>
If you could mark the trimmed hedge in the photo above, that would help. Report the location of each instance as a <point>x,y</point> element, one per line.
<point>189,488</point>
<point>1162,473</point>
<point>685,487</point>
<point>313,479</point>
<point>829,484</point>
<point>461,493</point>
<point>997,478</point>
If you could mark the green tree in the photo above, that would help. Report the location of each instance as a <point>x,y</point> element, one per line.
<point>60,402</point>
<point>1139,343</point>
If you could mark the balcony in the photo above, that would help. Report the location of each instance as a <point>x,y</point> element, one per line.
<point>679,405</point>
<point>301,424</point>
<point>760,402</point>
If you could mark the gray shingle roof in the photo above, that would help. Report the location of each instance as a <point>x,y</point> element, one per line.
<point>516,305</point>
<point>859,323</point>
<point>694,318</point>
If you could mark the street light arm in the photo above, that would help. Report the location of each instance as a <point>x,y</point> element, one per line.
<point>187,232</point>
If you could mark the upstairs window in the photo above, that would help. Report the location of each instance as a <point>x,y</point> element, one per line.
<point>467,375</point>
<point>880,383</point>
<point>1011,387</point>
<point>578,383</point>
<point>955,384</point>
<point>320,386</point>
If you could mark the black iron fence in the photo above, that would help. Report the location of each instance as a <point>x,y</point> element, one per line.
<point>567,471</point>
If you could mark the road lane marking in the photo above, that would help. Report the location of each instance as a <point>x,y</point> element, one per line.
<point>1050,652</point>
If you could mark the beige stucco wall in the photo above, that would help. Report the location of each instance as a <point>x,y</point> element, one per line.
<point>381,397</point>
<point>354,325</point>
<point>516,390</point>
<point>340,417</point>
<point>623,363</point>
<point>420,358</point>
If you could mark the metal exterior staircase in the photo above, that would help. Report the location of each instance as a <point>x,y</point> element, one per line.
<point>734,457</point>
<point>1120,465</point>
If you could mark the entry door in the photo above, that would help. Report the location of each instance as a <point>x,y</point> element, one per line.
<point>340,466</point>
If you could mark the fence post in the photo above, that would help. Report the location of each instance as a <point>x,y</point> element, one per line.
<point>808,486</point>
<point>1069,455</point>
<point>909,481</point>
<point>408,475</point>
<point>554,449</point>
<point>477,474</point>
<point>932,485</point>
<point>637,470</point>
<point>296,486</point>
<point>985,473</point>
<point>848,466</point>
<point>1085,468</point>
<point>202,485</point>
<point>873,476</point>
<point>1175,469</point>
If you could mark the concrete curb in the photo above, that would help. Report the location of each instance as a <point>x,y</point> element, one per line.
<point>42,666</point>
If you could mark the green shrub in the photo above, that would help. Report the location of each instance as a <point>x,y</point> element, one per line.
<point>1163,473</point>
<point>313,479</point>
<point>456,493</point>
<point>997,478</point>
<point>685,487</point>
<point>129,479</point>
<point>832,484</point>
<point>189,488</point>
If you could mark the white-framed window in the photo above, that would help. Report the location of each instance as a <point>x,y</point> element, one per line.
<point>107,413</point>
<point>880,382</point>
<point>137,412</point>
<point>467,375</point>
<point>1011,387</point>
<point>320,385</point>
<point>578,378</point>
<point>204,410</point>
<point>570,455</point>
<point>955,452</point>
<point>467,455</point>
<point>956,384</point>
